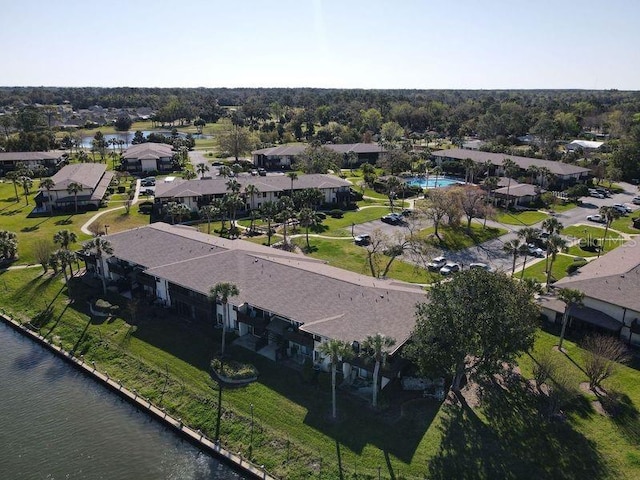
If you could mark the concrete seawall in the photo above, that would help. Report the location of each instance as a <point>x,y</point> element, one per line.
<point>196,437</point>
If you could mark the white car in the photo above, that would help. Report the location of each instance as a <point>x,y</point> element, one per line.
<point>437,263</point>
<point>450,267</point>
<point>636,200</point>
<point>596,218</point>
<point>480,266</point>
<point>535,251</point>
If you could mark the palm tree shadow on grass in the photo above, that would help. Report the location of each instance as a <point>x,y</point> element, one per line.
<point>515,441</point>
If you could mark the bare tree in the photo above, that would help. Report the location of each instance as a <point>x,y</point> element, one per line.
<point>470,200</point>
<point>43,250</point>
<point>435,208</point>
<point>603,353</point>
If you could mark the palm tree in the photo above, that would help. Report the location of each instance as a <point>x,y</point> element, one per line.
<point>202,168</point>
<point>555,244</point>
<point>570,297</point>
<point>376,347</point>
<point>221,292</point>
<point>337,351</point>
<point>14,176</point>
<point>609,214</point>
<point>468,170</point>
<point>177,211</point>
<point>251,191</point>
<point>529,235</point>
<point>308,218</point>
<point>233,202</point>
<point>97,247</point>
<point>66,258</point>
<point>533,172</point>
<point>64,238</point>
<point>514,248</point>
<point>268,212</point>
<point>220,208</point>
<point>509,167</point>
<point>189,175</point>
<point>26,183</point>
<point>208,212</point>
<point>285,208</point>
<point>293,176</point>
<point>48,184</point>
<point>393,185</point>
<point>552,226</point>
<point>224,171</point>
<point>233,186</point>
<point>73,189</point>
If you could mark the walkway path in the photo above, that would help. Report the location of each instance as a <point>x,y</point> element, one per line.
<point>85,227</point>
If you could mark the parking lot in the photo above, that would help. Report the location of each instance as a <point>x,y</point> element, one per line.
<point>492,252</point>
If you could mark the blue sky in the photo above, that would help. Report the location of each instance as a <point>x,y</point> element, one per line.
<point>468,44</point>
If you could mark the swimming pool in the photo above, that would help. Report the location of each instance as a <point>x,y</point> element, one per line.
<point>431,182</point>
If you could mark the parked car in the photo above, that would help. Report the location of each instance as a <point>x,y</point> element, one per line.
<point>480,266</point>
<point>450,267</point>
<point>407,212</point>
<point>535,251</point>
<point>596,194</point>
<point>437,263</point>
<point>623,209</point>
<point>393,219</point>
<point>254,172</point>
<point>262,172</point>
<point>362,240</point>
<point>636,200</point>
<point>596,218</point>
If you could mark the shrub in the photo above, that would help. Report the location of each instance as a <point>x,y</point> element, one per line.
<point>234,370</point>
<point>122,189</point>
<point>575,266</point>
<point>104,306</point>
<point>336,213</point>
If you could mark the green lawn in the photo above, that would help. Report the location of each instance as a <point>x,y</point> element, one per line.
<point>345,254</point>
<point>588,233</point>
<point>560,207</point>
<point>559,270</point>
<point>625,224</point>
<point>167,360</point>
<point>119,220</point>
<point>14,216</point>
<point>457,238</point>
<point>521,218</point>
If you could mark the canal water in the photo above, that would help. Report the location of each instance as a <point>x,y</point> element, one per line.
<point>56,423</point>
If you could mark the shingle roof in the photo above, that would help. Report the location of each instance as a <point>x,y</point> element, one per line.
<point>148,151</point>
<point>518,190</point>
<point>28,156</point>
<point>612,278</point>
<point>297,149</point>
<point>86,174</point>
<point>271,183</point>
<point>331,302</point>
<point>557,168</point>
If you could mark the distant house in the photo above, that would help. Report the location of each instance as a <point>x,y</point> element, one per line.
<point>148,157</point>
<point>473,144</point>
<point>288,304</point>
<point>10,161</point>
<point>611,304</point>
<point>94,179</point>
<point>583,145</point>
<point>196,193</point>
<point>283,156</point>
<point>564,172</point>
